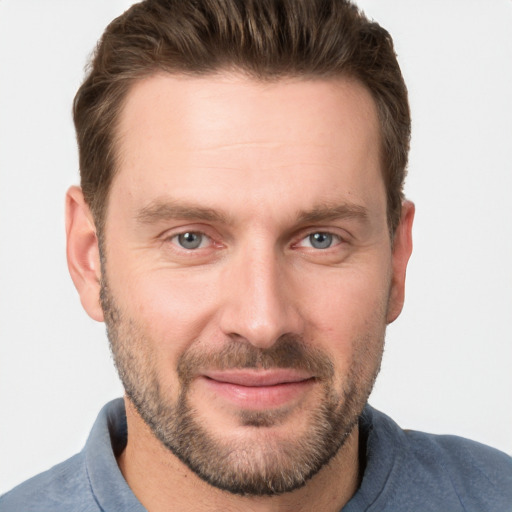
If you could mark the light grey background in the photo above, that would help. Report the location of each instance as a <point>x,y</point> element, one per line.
<point>447,367</point>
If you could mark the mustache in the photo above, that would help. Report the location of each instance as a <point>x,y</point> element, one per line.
<point>290,352</point>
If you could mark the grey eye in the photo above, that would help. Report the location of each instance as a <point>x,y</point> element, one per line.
<point>320,240</point>
<point>190,240</point>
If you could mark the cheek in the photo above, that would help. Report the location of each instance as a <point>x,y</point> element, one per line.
<point>173,307</point>
<point>346,312</point>
<point>344,296</point>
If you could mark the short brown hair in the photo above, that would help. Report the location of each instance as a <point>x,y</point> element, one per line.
<point>266,39</point>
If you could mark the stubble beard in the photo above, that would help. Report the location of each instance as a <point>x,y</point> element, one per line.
<point>259,465</point>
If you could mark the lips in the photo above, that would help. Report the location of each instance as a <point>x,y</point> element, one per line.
<point>258,389</point>
<point>258,378</point>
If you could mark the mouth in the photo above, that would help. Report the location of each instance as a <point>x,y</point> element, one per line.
<point>258,389</point>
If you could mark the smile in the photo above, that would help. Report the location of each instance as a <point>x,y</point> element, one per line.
<point>258,390</point>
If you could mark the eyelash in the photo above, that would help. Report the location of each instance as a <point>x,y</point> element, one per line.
<point>334,241</point>
<point>174,239</point>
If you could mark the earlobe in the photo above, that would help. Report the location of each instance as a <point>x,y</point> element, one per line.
<point>402,249</point>
<point>83,252</point>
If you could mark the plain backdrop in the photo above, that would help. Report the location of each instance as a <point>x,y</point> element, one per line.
<point>447,365</point>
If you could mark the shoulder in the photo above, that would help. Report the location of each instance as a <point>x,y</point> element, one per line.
<point>87,482</point>
<point>62,488</point>
<point>433,469</point>
<point>478,473</point>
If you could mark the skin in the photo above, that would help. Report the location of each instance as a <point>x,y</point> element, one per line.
<point>273,163</point>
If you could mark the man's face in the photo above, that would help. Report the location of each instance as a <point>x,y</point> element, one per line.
<point>247,271</point>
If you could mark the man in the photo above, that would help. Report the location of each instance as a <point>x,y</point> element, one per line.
<point>242,231</point>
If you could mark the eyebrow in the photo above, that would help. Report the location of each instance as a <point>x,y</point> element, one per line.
<point>329,212</point>
<point>158,211</point>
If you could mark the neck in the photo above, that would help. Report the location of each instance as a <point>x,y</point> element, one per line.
<point>158,478</point>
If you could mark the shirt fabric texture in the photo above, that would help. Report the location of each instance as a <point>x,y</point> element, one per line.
<point>404,471</point>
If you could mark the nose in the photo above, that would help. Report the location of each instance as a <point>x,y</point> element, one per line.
<point>259,306</point>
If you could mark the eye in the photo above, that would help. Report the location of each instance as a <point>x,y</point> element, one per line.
<point>191,240</point>
<point>320,240</point>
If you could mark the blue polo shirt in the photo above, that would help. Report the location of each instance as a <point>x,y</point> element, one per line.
<point>405,471</point>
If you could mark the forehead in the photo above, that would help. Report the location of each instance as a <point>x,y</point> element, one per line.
<point>218,135</point>
<point>235,108</point>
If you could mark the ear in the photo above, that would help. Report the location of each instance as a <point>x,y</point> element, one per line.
<point>402,248</point>
<point>83,253</point>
